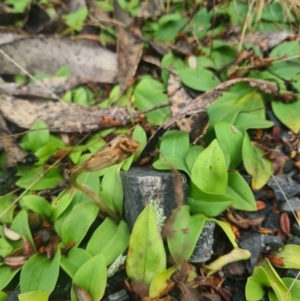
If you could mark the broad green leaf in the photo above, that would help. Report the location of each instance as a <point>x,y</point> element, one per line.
<point>288,114</point>
<point>209,172</point>
<point>177,163</point>
<point>149,94</point>
<point>170,61</point>
<point>226,227</point>
<point>75,258</point>
<point>222,55</point>
<point>34,296</point>
<point>61,203</point>
<point>160,282</point>
<point>175,144</point>
<point>191,156</point>
<point>41,181</point>
<point>241,192</point>
<point>38,204</point>
<point>236,254</point>
<point>21,226</point>
<point>259,168</point>
<point>78,222</point>
<point>265,276</point>
<point>112,189</point>
<point>231,141</point>
<point>289,255</point>
<point>18,6</point>
<point>5,246</point>
<point>38,136</point>
<point>245,121</point>
<point>184,234</point>
<point>3,296</point>
<point>198,79</point>
<point>40,273</point>
<point>44,153</point>
<point>114,240</point>
<point>146,254</point>
<point>211,204</point>
<point>201,22</point>
<point>92,277</point>
<point>293,286</point>
<point>140,136</point>
<point>77,18</point>
<point>6,275</point>
<point>223,112</point>
<point>5,203</point>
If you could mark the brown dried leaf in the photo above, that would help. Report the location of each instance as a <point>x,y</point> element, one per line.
<point>15,261</point>
<point>10,234</point>
<point>241,222</point>
<point>179,99</point>
<point>285,224</point>
<point>81,293</point>
<point>129,47</point>
<point>140,288</point>
<point>60,116</point>
<point>48,54</point>
<point>96,14</point>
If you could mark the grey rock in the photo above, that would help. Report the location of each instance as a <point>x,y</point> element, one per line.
<point>203,249</point>
<point>293,204</point>
<point>142,185</point>
<point>271,221</point>
<point>256,244</point>
<point>13,296</point>
<point>296,229</point>
<point>296,240</point>
<point>119,296</point>
<point>287,184</point>
<point>291,273</point>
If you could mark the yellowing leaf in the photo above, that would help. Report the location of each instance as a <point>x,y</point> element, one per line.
<point>259,168</point>
<point>34,296</point>
<point>146,254</point>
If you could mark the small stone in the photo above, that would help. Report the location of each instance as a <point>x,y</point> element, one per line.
<point>13,296</point>
<point>256,244</point>
<point>203,249</point>
<point>287,184</point>
<point>296,229</point>
<point>239,296</point>
<point>291,273</point>
<point>271,221</point>
<point>119,296</point>
<point>293,204</point>
<point>296,240</point>
<point>142,185</point>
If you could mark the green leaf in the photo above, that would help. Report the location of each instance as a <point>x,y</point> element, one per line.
<point>209,172</point>
<point>184,234</point>
<point>202,22</point>
<point>18,6</point>
<point>38,204</point>
<point>114,238</point>
<point>6,275</point>
<point>245,121</point>
<point>177,163</point>
<point>289,255</point>
<point>77,18</point>
<point>264,276</point>
<point>226,113</point>
<point>146,254</point>
<point>34,296</point>
<point>61,203</point>
<point>191,156</point>
<point>38,136</point>
<point>3,296</point>
<point>198,79</point>
<point>5,246</point>
<point>75,258</point>
<point>40,273</point>
<point>78,222</point>
<point>259,168</point>
<point>41,181</point>
<point>149,94</point>
<point>236,254</point>
<point>175,144</point>
<point>5,202</point>
<point>239,189</point>
<point>21,226</point>
<point>170,61</point>
<point>160,282</point>
<point>140,136</point>
<point>231,141</point>
<point>288,114</point>
<point>112,189</point>
<point>44,153</point>
<point>293,286</point>
<point>92,277</point>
